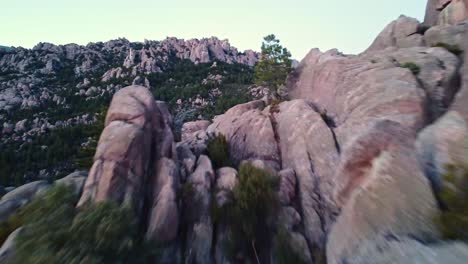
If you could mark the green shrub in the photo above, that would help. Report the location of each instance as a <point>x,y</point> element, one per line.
<point>455,49</point>
<point>255,202</point>
<point>54,231</point>
<point>284,252</point>
<point>218,151</point>
<point>413,67</point>
<point>57,202</point>
<point>453,220</point>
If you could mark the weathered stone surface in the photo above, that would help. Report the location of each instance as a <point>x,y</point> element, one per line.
<point>7,251</point>
<point>446,141</point>
<point>432,13</point>
<point>226,180</point>
<point>310,150</point>
<point>200,232</point>
<point>17,198</point>
<point>409,251</point>
<point>238,125</point>
<point>134,129</point>
<point>385,193</point>
<point>449,34</point>
<point>190,128</point>
<point>186,158</point>
<point>75,180</point>
<point>452,12</point>
<point>287,190</point>
<point>164,214</point>
<point>27,192</point>
<point>401,33</point>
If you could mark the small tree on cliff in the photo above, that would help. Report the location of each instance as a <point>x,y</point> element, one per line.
<point>274,65</point>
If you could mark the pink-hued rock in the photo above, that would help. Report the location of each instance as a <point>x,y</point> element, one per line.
<point>446,141</point>
<point>200,233</point>
<point>308,147</point>
<point>452,11</point>
<point>190,128</point>
<point>164,214</point>
<point>135,136</point>
<point>385,193</point>
<point>358,108</point>
<point>432,13</point>
<point>249,132</point>
<point>287,189</point>
<point>401,33</point>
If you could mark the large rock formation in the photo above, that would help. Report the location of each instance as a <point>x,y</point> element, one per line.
<point>122,158</point>
<point>440,12</point>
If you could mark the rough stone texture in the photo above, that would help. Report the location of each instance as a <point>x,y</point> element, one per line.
<point>401,33</point>
<point>164,214</point>
<point>17,198</point>
<point>386,193</point>
<point>190,128</point>
<point>313,158</point>
<point>75,180</point>
<point>432,13</point>
<point>408,251</point>
<point>453,12</point>
<point>200,233</point>
<point>238,123</point>
<point>226,180</point>
<point>7,250</point>
<point>445,141</point>
<point>341,148</point>
<point>134,128</point>
<point>187,159</point>
<point>450,34</point>
<point>287,190</point>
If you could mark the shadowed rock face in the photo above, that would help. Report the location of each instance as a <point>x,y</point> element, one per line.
<point>122,158</point>
<point>133,158</point>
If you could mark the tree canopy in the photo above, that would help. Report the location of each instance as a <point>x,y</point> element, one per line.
<point>274,65</point>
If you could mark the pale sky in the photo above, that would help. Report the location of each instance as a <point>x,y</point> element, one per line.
<point>301,25</point>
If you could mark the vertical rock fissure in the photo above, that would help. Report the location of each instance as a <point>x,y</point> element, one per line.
<point>274,124</point>
<point>320,211</point>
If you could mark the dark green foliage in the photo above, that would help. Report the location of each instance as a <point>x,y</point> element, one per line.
<point>218,151</point>
<point>255,202</point>
<point>57,202</point>
<point>62,147</point>
<point>413,67</point>
<point>453,220</point>
<point>283,250</point>
<point>98,233</point>
<point>274,65</point>
<point>455,49</point>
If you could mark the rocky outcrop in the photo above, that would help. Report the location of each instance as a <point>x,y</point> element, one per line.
<point>19,197</point>
<point>123,153</point>
<point>189,130</point>
<point>440,12</point>
<point>452,12</point>
<point>401,33</point>
<point>237,125</point>
<point>226,181</point>
<point>7,251</point>
<point>383,192</point>
<point>164,213</point>
<point>75,181</point>
<point>445,141</point>
<point>200,232</point>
